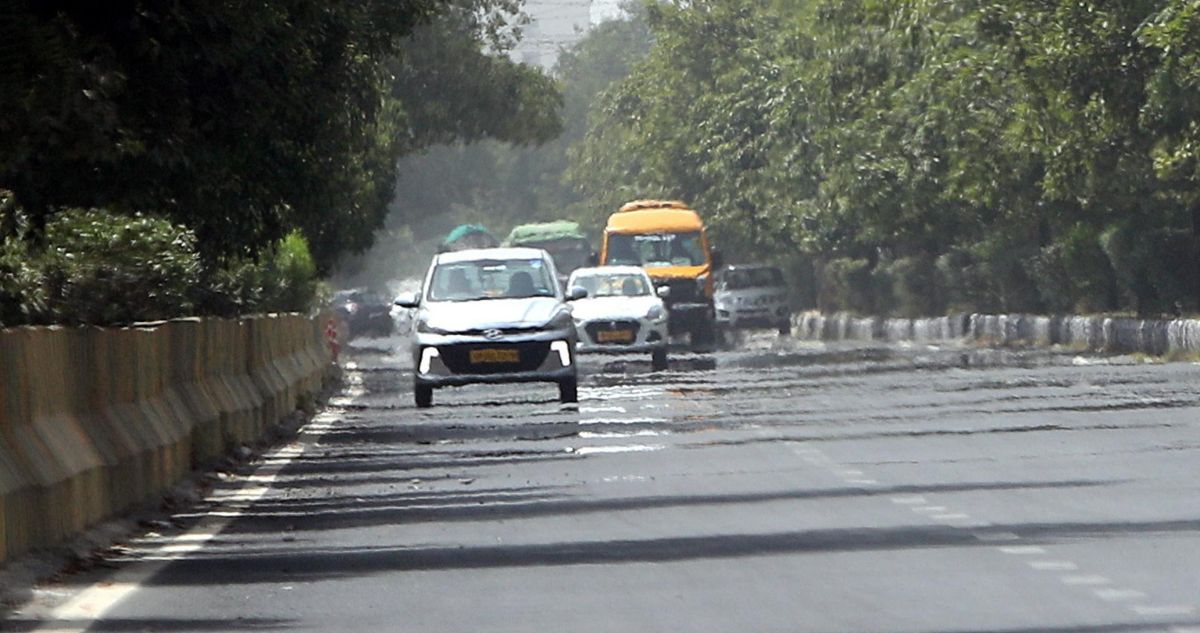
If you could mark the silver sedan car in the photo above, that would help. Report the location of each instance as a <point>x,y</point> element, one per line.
<point>493,315</point>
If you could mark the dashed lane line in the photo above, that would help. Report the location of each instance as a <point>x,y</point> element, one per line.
<point>1053,565</point>
<point>951,516</point>
<point>1088,580</point>
<point>1118,595</point>
<point>1022,550</point>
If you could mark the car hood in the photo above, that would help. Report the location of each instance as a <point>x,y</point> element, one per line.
<point>462,316</point>
<point>613,307</point>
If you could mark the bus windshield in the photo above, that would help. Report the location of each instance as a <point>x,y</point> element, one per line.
<point>656,249</point>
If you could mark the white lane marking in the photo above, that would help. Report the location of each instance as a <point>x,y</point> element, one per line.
<point>1053,565</point>
<point>850,473</point>
<point>622,420</point>
<point>78,613</point>
<point>588,435</point>
<point>990,537</point>
<point>1088,580</point>
<point>1165,609</point>
<point>930,509</point>
<point>1022,550</point>
<point>1116,595</point>
<point>909,501</point>
<point>629,448</point>
<point>950,516</point>
<point>863,482</point>
<point>602,409</point>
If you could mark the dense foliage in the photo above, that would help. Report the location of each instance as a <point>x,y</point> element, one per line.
<point>105,269</point>
<point>243,121</point>
<point>500,182</point>
<point>232,137</point>
<point>917,156</point>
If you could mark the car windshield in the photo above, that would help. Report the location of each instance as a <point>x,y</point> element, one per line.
<point>491,279</point>
<point>656,249</point>
<point>613,285</point>
<point>737,279</point>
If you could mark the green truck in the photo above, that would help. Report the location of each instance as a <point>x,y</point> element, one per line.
<point>466,236</point>
<point>564,240</point>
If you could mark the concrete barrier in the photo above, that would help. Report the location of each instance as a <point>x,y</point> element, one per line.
<point>96,421</point>
<point>1108,334</point>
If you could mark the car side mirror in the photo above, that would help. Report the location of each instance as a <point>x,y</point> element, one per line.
<point>576,293</point>
<point>663,292</point>
<point>408,300</point>
<point>718,260</point>
<point>593,259</point>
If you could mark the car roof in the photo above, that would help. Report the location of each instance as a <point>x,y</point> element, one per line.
<point>476,254</point>
<point>609,270</point>
<point>652,219</point>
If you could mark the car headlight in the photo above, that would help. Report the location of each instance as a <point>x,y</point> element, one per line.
<point>423,327</point>
<point>561,321</point>
<point>655,313</point>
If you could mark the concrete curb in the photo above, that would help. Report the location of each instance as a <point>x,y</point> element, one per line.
<point>1102,334</point>
<point>96,421</point>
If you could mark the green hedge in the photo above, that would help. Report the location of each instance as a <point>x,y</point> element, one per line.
<point>91,266</point>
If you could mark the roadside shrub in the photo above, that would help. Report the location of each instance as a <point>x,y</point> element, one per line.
<point>290,276</point>
<point>848,285</point>
<point>22,295</point>
<point>1073,274</point>
<point>963,282</point>
<point>1154,269</point>
<point>104,268</point>
<point>915,287</point>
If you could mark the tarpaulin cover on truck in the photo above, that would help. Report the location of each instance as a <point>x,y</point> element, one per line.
<point>544,232</point>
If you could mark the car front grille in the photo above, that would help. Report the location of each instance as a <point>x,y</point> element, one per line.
<point>531,355</point>
<point>596,328</point>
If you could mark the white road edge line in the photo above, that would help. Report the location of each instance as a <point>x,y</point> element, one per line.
<point>91,603</point>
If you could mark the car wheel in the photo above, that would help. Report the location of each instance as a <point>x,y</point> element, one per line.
<point>568,390</point>
<point>658,359</point>
<point>785,328</point>
<point>423,396</point>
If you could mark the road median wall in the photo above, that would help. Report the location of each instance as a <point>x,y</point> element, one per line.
<point>97,421</point>
<point>1097,333</point>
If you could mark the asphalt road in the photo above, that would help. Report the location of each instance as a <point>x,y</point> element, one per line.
<point>783,487</point>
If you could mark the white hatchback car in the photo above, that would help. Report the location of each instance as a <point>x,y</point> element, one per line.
<point>493,315</point>
<point>622,313</point>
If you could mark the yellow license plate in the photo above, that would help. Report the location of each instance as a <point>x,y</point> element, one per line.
<point>615,336</point>
<point>483,356</point>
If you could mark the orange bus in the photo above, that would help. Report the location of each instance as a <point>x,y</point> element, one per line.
<point>668,239</point>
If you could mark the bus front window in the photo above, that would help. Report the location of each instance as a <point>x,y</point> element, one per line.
<point>656,250</point>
